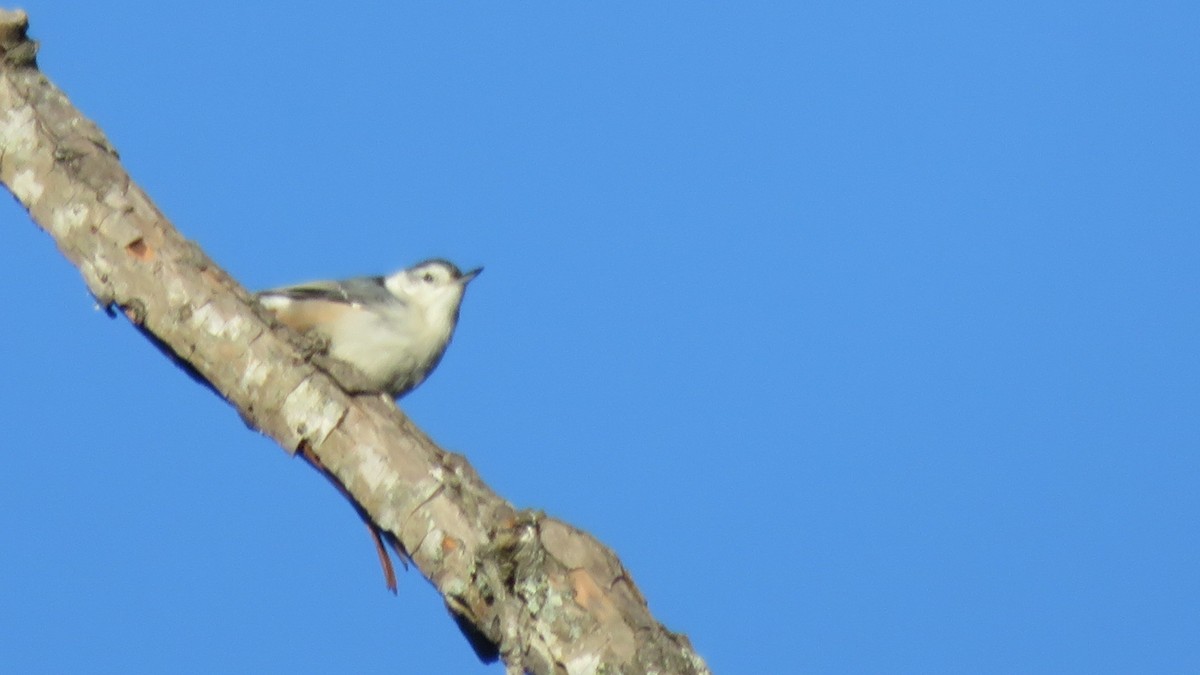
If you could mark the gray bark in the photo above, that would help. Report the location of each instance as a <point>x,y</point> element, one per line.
<point>546,597</point>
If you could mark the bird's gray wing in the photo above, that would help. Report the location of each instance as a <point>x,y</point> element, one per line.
<point>359,290</point>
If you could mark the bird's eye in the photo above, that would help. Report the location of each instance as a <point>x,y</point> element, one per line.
<point>428,277</point>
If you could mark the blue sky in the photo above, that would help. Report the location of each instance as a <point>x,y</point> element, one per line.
<point>865,333</point>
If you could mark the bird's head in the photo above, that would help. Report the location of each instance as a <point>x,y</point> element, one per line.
<point>436,285</point>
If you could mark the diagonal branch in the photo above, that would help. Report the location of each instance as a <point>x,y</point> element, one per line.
<point>544,596</point>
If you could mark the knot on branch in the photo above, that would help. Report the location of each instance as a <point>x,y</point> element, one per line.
<point>16,49</point>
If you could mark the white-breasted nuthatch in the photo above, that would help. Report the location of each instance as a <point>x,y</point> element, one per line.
<point>393,329</point>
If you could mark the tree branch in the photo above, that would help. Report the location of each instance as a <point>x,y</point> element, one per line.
<point>546,597</point>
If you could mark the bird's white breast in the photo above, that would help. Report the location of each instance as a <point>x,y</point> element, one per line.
<point>394,347</point>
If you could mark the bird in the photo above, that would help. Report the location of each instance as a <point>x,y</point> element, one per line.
<point>392,329</point>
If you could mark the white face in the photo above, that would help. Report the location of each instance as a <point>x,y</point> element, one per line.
<point>435,285</point>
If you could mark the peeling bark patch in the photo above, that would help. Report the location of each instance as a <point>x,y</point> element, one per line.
<point>254,376</point>
<point>135,311</point>
<point>140,250</point>
<point>216,323</point>
<point>26,186</point>
<point>589,595</point>
<point>118,202</point>
<point>178,295</point>
<point>65,220</point>
<point>372,468</point>
<point>18,131</point>
<point>585,664</point>
<point>426,550</point>
<point>309,413</point>
<point>206,319</point>
<point>566,544</point>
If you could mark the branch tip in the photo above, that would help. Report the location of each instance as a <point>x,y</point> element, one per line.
<point>15,46</point>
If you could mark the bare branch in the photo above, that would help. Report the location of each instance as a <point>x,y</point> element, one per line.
<point>546,597</point>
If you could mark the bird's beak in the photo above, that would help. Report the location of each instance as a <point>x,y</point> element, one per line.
<point>468,276</point>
